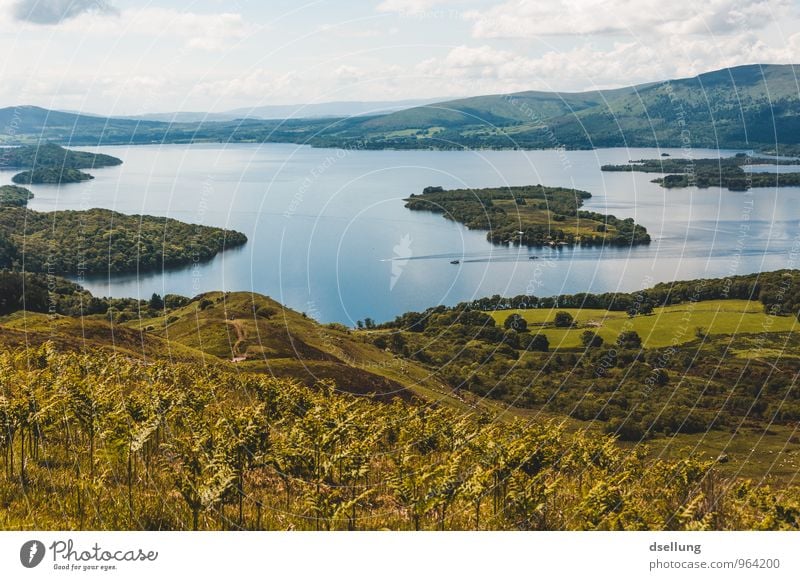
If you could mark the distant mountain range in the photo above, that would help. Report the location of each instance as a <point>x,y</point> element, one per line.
<point>302,111</point>
<point>748,107</point>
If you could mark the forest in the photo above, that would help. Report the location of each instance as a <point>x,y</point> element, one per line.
<point>533,215</point>
<point>14,196</point>
<point>43,293</point>
<point>100,241</point>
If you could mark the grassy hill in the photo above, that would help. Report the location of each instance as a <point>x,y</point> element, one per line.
<point>753,106</point>
<point>34,124</point>
<point>110,443</point>
<point>502,110</point>
<point>259,335</point>
<point>243,331</point>
<point>229,411</point>
<point>737,107</point>
<point>709,363</point>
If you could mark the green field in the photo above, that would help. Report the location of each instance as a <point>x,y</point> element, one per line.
<point>667,326</point>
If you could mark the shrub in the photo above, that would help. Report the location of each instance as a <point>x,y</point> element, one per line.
<point>266,311</point>
<point>538,342</point>
<point>172,301</point>
<point>338,326</point>
<point>516,322</point>
<point>591,339</point>
<point>629,339</point>
<point>563,319</point>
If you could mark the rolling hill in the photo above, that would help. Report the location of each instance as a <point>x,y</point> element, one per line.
<point>240,331</point>
<point>295,111</point>
<point>501,110</point>
<point>751,107</point>
<point>228,411</point>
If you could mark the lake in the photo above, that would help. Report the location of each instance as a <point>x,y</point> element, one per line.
<point>329,236</point>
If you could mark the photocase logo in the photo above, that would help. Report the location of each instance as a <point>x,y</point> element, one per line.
<point>31,553</point>
<point>402,252</point>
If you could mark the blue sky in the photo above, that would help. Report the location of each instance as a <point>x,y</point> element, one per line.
<point>123,57</point>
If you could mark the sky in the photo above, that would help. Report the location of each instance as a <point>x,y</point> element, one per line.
<point>120,57</point>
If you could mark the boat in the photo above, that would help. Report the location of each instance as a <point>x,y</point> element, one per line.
<point>533,257</point>
<point>455,261</point>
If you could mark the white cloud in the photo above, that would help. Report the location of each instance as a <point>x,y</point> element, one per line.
<point>210,32</point>
<point>195,30</point>
<point>484,69</point>
<point>256,86</point>
<point>412,7</point>
<point>524,19</point>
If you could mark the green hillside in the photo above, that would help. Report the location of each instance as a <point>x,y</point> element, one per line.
<point>170,446</point>
<point>738,107</point>
<point>704,361</point>
<point>244,331</point>
<point>752,107</point>
<point>230,412</point>
<point>502,110</point>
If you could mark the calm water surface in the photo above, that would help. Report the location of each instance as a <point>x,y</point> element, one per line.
<point>328,233</point>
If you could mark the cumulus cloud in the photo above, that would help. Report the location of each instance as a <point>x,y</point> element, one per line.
<point>209,31</point>
<point>484,69</point>
<point>522,18</point>
<point>252,87</point>
<point>202,31</point>
<point>57,11</point>
<point>412,7</point>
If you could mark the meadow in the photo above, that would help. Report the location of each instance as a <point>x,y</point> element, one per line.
<point>666,326</point>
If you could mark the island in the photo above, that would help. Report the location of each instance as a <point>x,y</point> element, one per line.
<point>51,175</point>
<point>94,241</point>
<point>51,163</point>
<point>533,215</point>
<point>727,172</point>
<point>103,241</point>
<point>14,196</point>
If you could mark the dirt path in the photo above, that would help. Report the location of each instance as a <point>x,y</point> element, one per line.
<point>241,336</point>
